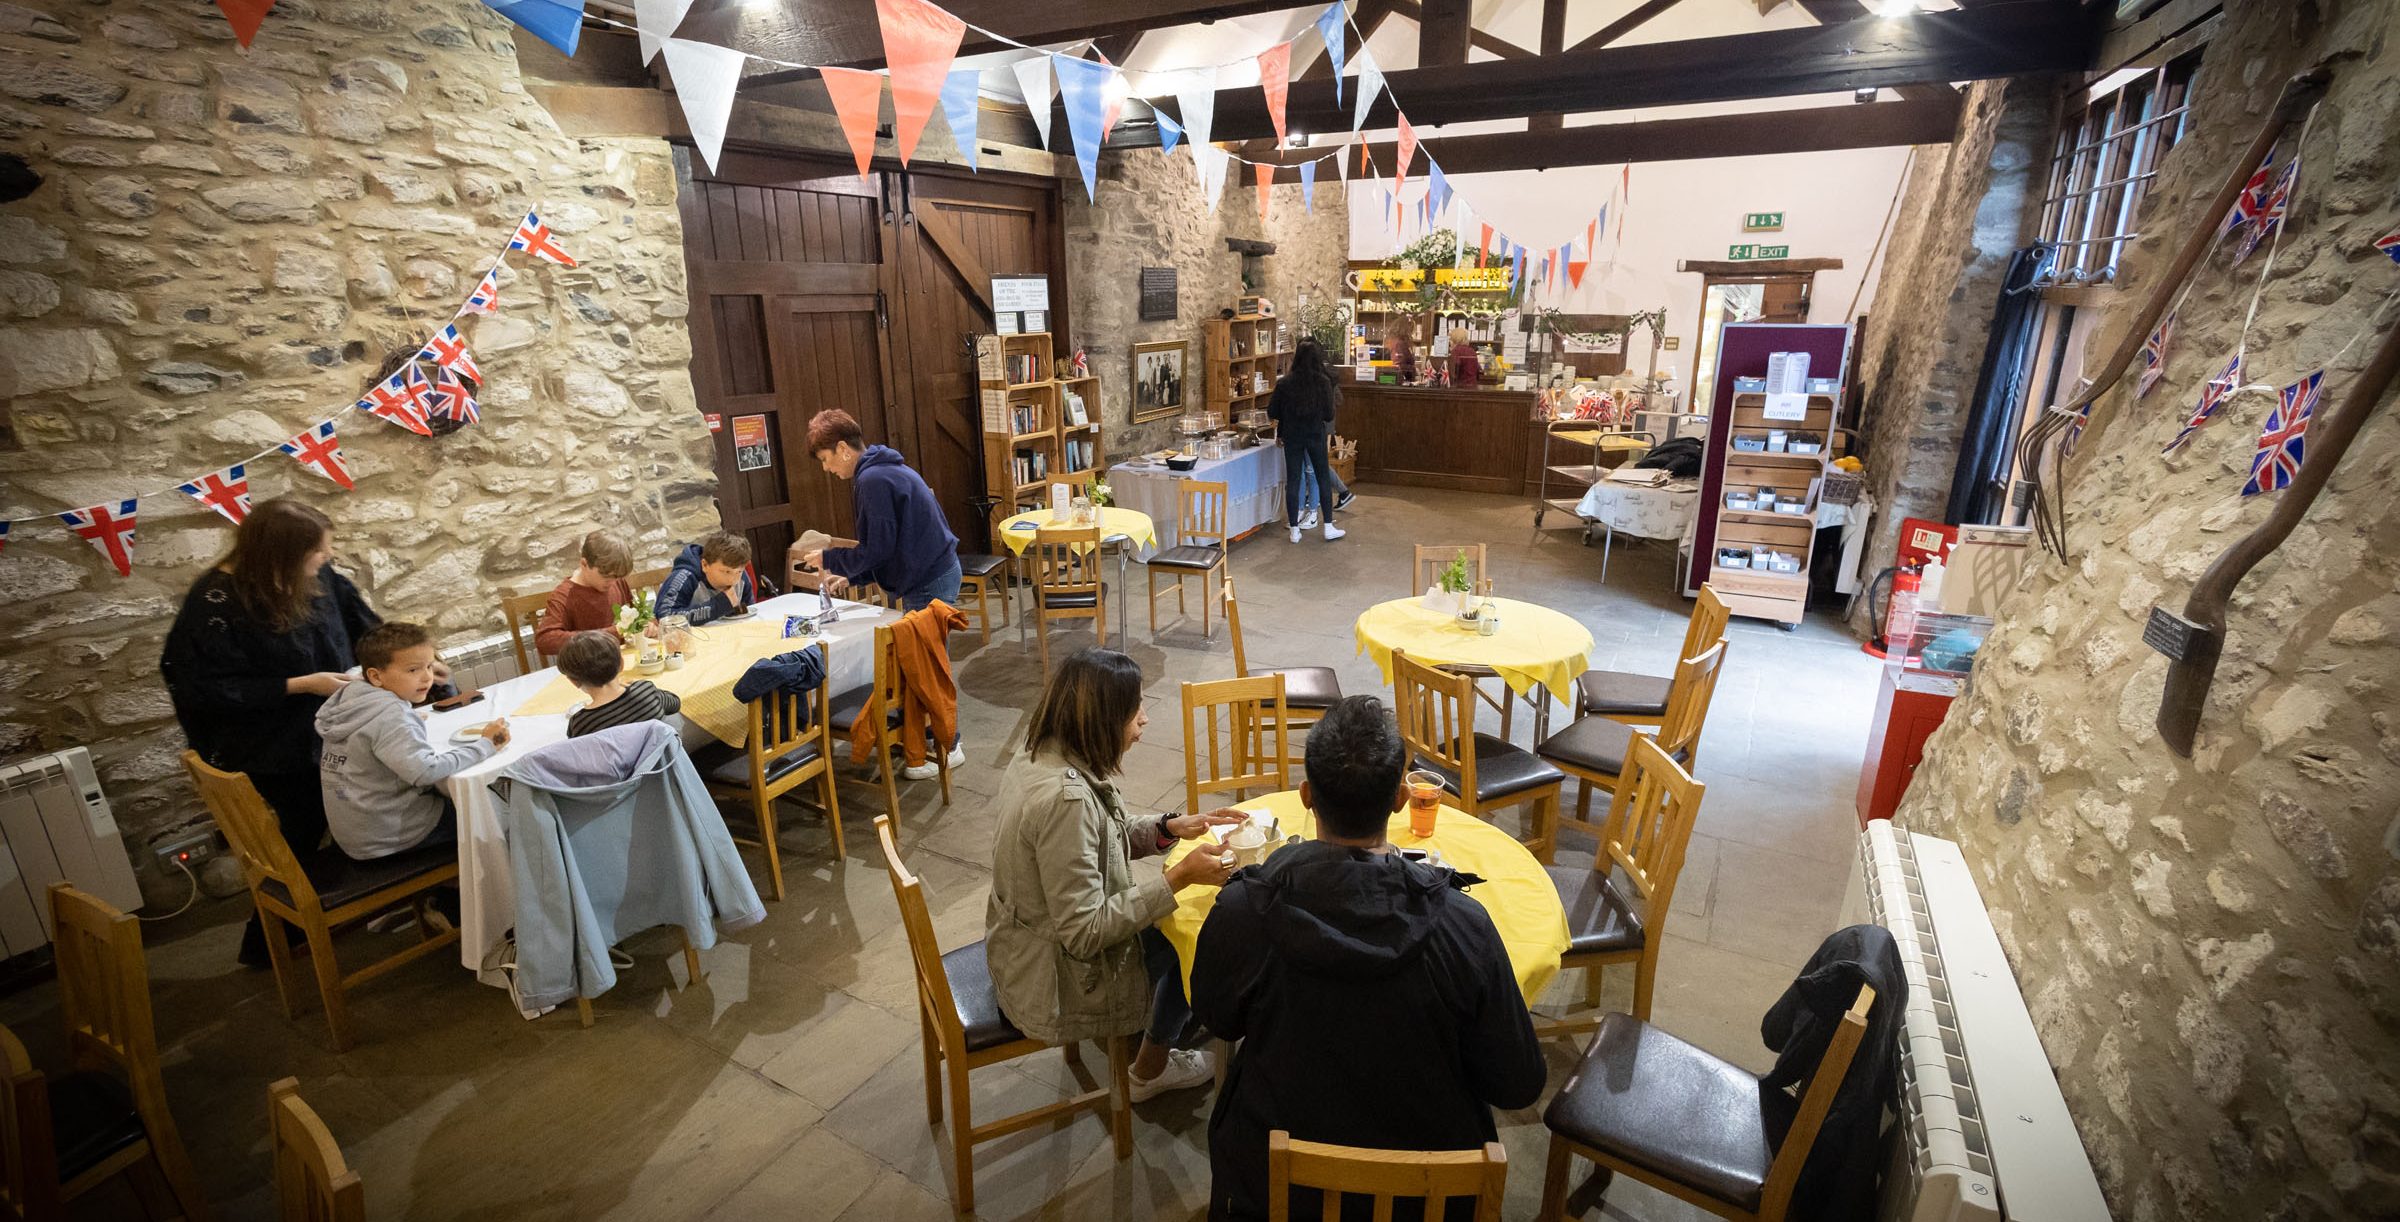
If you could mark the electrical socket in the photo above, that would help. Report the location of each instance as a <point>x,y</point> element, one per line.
<point>191,849</point>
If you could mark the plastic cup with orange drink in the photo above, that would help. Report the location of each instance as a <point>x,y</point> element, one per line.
<point>1424,801</point>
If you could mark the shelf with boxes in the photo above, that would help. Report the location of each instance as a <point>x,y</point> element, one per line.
<point>1036,424</point>
<point>1767,467</point>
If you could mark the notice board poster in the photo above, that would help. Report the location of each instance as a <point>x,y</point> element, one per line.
<point>751,449</point>
<point>1020,304</point>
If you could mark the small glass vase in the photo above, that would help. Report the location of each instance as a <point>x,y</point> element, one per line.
<point>675,638</point>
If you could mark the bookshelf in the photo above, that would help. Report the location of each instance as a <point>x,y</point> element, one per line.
<point>1030,419</point>
<point>1790,529</point>
<point>1246,355</point>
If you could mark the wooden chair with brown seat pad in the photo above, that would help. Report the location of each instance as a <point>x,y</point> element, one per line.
<point>1592,749</point>
<point>962,1027</point>
<point>313,1182</point>
<point>104,999</point>
<point>1436,712</point>
<point>1234,739</point>
<point>1617,909</point>
<point>1646,1104</point>
<point>29,1172</point>
<point>1063,565</point>
<point>1199,549</point>
<point>321,893</point>
<point>1386,1177</point>
<point>1641,700</point>
<point>789,743</point>
<point>523,615</point>
<point>979,576</point>
<point>1425,572</point>
<point>886,689</point>
<point>1308,691</point>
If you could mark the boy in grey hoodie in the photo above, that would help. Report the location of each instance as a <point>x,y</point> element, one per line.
<point>378,765</point>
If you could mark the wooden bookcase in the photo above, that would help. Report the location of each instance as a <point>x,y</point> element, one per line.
<point>1240,351</point>
<point>1028,432</point>
<point>1761,592</point>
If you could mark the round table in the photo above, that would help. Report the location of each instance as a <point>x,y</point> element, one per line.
<point>1662,511</point>
<point>1516,890</point>
<point>1123,529</point>
<point>1537,651</point>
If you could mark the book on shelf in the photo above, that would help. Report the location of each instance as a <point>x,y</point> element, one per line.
<point>1074,406</point>
<point>1023,367</point>
<point>1078,455</point>
<point>1025,418</point>
<point>1032,466</point>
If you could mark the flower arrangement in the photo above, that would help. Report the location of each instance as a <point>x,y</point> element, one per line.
<point>638,614</point>
<point>1100,495</point>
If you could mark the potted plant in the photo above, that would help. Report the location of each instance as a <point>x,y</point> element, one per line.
<point>1452,588</point>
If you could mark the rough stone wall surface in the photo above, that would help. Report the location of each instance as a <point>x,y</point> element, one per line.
<point>2211,947</point>
<point>1967,208</point>
<point>226,246</point>
<point>1151,214</point>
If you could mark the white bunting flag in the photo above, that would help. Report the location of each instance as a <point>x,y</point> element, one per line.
<point>1196,94</point>
<point>1033,77</point>
<point>1370,83</point>
<point>705,77</point>
<point>1212,175</point>
<point>654,23</point>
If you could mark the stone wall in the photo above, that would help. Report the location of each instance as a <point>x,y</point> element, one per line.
<point>226,246</point>
<point>2211,947</point>
<point>1969,205</point>
<point>1151,214</point>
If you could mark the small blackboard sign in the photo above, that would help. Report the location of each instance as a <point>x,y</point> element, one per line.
<point>2170,634</point>
<point>1158,294</point>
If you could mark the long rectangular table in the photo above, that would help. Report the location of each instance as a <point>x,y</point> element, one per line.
<point>1253,481</point>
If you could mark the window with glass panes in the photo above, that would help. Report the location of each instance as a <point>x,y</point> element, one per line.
<point>2103,163</point>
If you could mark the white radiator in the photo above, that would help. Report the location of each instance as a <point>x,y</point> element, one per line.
<point>483,662</point>
<point>1984,1132</point>
<point>55,826</point>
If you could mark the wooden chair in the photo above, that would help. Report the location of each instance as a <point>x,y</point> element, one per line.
<point>1639,699</point>
<point>648,579</point>
<point>798,578</point>
<point>1430,561</point>
<point>885,691</point>
<point>1064,564</point>
<point>1433,1176</point>
<point>789,743</point>
<point>979,576</point>
<point>1436,711</point>
<point>313,1182</point>
<point>1253,751</point>
<point>523,615</point>
<point>1648,1105</point>
<point>1199,549</point>
<point>28,1150</point>
<point>325,892</point>
<point>1592,749</point>
<point>1079,483</point>
<point>104,997</point>
<point>962,1026</point>
<point>1611,922</point>
<point>1308,691</point>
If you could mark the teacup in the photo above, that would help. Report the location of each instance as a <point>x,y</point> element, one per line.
<point>1248,842</point>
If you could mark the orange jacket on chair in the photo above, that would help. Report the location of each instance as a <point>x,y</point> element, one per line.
<point>929,695</point>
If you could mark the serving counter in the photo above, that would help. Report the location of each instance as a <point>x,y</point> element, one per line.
<point>1442,437</point>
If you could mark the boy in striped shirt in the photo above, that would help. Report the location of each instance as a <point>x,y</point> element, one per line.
<point>595,664</point>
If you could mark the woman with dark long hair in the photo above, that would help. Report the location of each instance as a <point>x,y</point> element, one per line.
<point>1302,408</point>
<point>1069,935</point>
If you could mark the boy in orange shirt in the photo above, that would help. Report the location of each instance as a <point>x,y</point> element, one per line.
<point>588,601</point>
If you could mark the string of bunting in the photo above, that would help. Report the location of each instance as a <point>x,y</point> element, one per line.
<point>411,398</point>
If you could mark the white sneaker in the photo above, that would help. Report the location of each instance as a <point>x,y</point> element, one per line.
<point>919,772</point>
<point>1295,534</point>
<point>1185,1068</point>
<point>1333,532</point>
<point>1308,519</point>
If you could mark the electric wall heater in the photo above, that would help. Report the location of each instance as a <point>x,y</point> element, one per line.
<point>1984,1133</point>
<point>55,826</point>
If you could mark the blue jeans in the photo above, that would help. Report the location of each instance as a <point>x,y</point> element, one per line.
<point>1307,476</point>
<point>942,585</point>
<point>1170,1013</point>
<point>1308,483</point>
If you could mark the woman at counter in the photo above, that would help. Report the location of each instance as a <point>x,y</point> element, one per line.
<point>1302,409</point>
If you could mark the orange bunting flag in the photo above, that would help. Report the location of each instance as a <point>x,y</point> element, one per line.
<point>1406,153</point>
<point>1265,175</point>
<point>1575,270</point>
<point>1116,96</point>
<point>1591,228</point>
<point>1625,198</point>
<point>1365,167</point>
<point>858,103</point>
<point>919,41</point>
<point>245,16</point>
<point>1275,80</point>
<point>1483,251</point>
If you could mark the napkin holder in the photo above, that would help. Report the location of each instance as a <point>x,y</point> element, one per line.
<point>1445,602</point>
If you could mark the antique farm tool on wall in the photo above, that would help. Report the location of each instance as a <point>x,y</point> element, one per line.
<point>2193,640</point>
<point>2043,441</point>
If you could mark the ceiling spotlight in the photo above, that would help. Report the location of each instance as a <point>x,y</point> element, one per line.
<point>1895,8</point>
<point>1862,95</point>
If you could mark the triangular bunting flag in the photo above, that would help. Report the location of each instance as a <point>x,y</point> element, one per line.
<point>227,491</point>
<point>1591,231</point>
<point>1169,131</point>
<point>1624,199</point>
<point>962,107</point>
<point>1196,95</point>
<point>1115,91</point>
<point>108,528</point>
<point>2271,209</point>
<point>3,534</point>
<point>1370,83</point>
<point>654,22</point>
<point>317,450</point>
<point>2154,356</point>
<point>858,102</point>
<point>1366,168</point>
<point>1084,85</point>
<point>919,41</point>
<point>1308,186</point>
<point>557,22</point>
<point>400,399</point>
<point>1516,271</point>
<point>1265,176</point>
<point>534,238</point>
<point>449,351</point>
<point>1403,154</point>
<point>1341,166</point>
<point>486,297</point>
<point>1275,81</point>
<point>448,398</point>
<point>1483,250</point>
<point>2390,245</point>
<point>244,16</point>
<point>1575,271</point>
<point>2253,197</point>
<point>1439,192</point>
<point>2277,462</point>
<point>2212,397</point>
<point>1033,80</point>
<point>1329,28</point>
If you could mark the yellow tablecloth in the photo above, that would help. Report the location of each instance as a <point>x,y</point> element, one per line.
<point>705,681</point>
<point>1535,645</point>
<point>1133,524</point>
<point>1516,891</point>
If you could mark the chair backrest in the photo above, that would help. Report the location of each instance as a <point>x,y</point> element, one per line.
<point>28,1149</point>
<point>1784,1173</point>
<point>104,989</point>
<point>781,720</point>
<point>1254,747</point>
<point>797,576</point>
<point>250,826</point>
<point>1709,616</point>
<point>924,948</point>
<point>1437,717</point>
<point>1432,560</point>
<point>1079,483</point>
<point>313,1182</point>
<point>889,680</point>
<point>1203,510</point>
<point>1386,1176</point>
<point>648,579</point>
<point>1065,560</point>
<point>1233,625</point>
<point>1688,698</point>
<point>1650,823</point>
<point>522,613</point>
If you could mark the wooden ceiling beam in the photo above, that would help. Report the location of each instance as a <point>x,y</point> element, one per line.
<point>1834,12</point>
<point>844,33</point>
<point>1444,30</point>
<point>1554,40</point>
<point>1624,25</point>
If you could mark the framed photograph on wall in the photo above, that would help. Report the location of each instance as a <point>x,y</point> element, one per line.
<point>1158,378</point>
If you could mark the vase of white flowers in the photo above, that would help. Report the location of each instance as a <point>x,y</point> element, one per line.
<point>633,621</point>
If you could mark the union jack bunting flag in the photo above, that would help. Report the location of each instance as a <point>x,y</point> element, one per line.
<point>533,237</point>
<point>2271,209</point>
<point>109,529</point>
<point>400,399</point>
<point>2154,356</point>
<point>3,534</point>
<point>2248,204</point>
<point>2212,397</point>
<point>449,351</point>
<point>317,450</point>
<point>226,491</point>
<point>486,297</point>
<point>450,400</point>
<point>2277,462</point>
<point>2077,420</point>
<point>2390,245</point>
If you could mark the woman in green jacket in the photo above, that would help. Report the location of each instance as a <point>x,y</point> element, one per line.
<point>1070,937</point>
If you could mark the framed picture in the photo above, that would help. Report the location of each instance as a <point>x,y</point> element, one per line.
<point>1158,378</point>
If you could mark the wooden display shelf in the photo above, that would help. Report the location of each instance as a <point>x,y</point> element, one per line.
<point>1046,395</point>
<point>1236,352</point>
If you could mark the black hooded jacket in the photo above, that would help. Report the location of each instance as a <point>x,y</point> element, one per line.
<point>1839,1178</point>
<point>1375,1007</point>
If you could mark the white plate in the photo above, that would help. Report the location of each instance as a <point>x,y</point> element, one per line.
<point>468,734</point>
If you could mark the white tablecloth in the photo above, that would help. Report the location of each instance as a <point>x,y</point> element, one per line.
<point>1253,481</point>
<point>1663,512</point>
<point>487,891</point>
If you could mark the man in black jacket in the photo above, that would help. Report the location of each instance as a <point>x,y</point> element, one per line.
<point>1373,997</point>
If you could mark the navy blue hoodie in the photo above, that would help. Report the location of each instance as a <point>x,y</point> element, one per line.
<point>686,590</point>
<point>903,539</point>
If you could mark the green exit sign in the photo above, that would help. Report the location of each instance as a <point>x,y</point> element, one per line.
<point>1748,251</point>
<point>1761,222</point>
